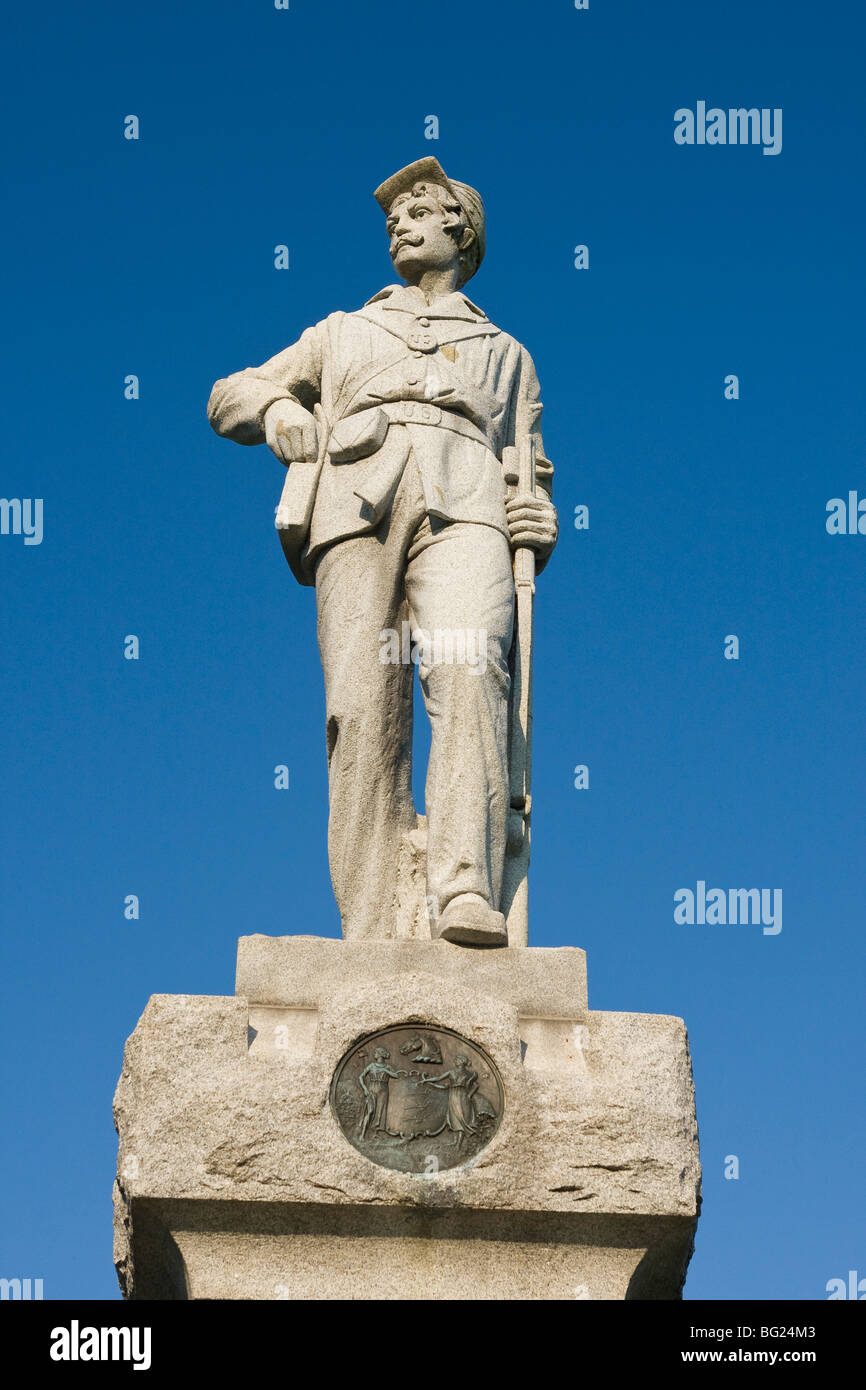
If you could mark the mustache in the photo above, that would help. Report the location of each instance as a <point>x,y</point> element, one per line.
<point>409,239</point>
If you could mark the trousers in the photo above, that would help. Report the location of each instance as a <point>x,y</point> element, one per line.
<point>452,583</point>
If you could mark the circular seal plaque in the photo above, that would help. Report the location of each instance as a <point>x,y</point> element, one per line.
<point>417,1099</point>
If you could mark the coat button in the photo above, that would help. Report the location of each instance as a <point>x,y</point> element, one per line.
<point>425,323</point>
<point>417,354</point>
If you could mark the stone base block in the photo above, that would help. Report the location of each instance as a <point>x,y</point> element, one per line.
<point>561,1159</point>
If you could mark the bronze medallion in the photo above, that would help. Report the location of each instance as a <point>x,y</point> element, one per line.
<point>417,1099</point>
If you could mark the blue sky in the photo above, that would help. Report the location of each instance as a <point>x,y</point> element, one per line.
<point>707,518</point>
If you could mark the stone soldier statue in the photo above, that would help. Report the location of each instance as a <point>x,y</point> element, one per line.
<point>392,421</point>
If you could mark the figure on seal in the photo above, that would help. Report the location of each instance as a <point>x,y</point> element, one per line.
<point>466,1108</point>
<point>374,1084</point>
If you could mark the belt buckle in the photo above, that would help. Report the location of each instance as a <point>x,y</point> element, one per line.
<point>419,341</point>
<point>426,414</point>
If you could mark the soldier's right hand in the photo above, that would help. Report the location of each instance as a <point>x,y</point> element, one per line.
<point>291,432</point>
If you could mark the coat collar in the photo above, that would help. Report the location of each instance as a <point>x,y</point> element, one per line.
<point>411,301</point>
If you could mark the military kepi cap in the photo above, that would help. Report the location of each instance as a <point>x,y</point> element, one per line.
<point>429,170</point>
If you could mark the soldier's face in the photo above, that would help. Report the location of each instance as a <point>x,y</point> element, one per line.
<point>419,238</point>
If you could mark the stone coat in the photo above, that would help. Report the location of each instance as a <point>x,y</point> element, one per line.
<point>456,390</point>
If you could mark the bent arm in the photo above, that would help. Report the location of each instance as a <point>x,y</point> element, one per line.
<point>237,405</point>
<point>527,420</point>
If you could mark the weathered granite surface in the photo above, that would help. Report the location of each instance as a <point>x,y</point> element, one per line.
<point>418,504</point>
<point>235,1180</point>
<point>302,970</point>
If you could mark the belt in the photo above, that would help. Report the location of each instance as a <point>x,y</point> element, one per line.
<point>425,413</point>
